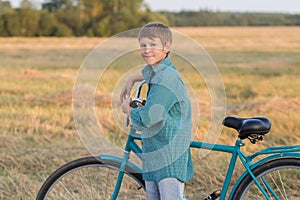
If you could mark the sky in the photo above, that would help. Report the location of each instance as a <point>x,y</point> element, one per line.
<point>285,6</point>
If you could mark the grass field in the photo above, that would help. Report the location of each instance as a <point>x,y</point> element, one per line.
<point>260,68</point>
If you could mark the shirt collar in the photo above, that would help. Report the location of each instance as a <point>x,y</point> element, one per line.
<point>148,72</point>
<point>164,63</point>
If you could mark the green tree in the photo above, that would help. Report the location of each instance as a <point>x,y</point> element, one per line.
<point>91,9</point>
<point>11,24</point>
<point>4,6</point>
<point>77,18</point>
<point>70,13</point>
<point>72,19</point>
<point>47,24</point>
<point>29,20</point>
<point>26,4</point>
<point>121,15</point>
<point>100,28</point>
<point>52,5</point>
<point>61,30</point>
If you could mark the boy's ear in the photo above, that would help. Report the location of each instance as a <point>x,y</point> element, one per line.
<point>167,47</point>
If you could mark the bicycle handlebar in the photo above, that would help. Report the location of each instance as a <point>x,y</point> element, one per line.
<point>137,101</point>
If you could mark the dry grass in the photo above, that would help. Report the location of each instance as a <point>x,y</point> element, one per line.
<point>259,67</point>
<point>44,43</point>
<point>245,38</point>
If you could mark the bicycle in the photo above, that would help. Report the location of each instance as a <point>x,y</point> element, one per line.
<point>276,176</point>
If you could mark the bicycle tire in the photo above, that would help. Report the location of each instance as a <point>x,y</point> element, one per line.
<point>91,178</point>
<point>283,175</point>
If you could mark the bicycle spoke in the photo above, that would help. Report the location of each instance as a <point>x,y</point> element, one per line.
<point>90,179</point>
<point>91,186</point>
<point>65,188</point>
<point>83,183</point>
<point>282,184</point>
<point>269,189</point>
<point>106,186</point>
<point>266,186</point>
<point>276,185</point>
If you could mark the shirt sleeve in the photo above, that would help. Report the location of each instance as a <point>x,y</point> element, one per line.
<point>160,99</point>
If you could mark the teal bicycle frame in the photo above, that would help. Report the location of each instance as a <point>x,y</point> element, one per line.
<point>272,152</point>
<point>276,152</point>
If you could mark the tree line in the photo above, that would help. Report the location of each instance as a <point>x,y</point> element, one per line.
<point>75,17</point>
<point>208,18</point>
<point>108,17</point>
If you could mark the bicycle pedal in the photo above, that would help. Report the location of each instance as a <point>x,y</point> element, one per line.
<point>213,195</point>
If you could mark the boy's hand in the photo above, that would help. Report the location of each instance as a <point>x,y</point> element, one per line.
<point>126,106</point>
<point>125,92</point>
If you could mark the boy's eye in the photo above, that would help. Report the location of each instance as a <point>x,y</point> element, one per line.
<point>151,45</point>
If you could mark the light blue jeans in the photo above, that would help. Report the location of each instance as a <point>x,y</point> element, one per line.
<point>166,189</point>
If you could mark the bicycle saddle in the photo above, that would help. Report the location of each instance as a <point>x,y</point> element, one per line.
<point>248,127</point>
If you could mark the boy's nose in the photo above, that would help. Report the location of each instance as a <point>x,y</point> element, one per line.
<point>146,49</point>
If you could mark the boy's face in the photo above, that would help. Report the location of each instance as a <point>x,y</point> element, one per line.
<point>152,50</point>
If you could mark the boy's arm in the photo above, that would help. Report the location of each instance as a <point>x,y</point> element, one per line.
<point>158,103</point>
<point>125,92</point>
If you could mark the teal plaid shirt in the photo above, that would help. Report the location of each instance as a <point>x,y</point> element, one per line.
<point>165,122</point>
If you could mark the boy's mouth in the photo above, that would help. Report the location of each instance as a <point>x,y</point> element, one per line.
<point>147,57</point>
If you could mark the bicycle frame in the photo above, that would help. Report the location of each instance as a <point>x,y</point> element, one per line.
<point>276,152</point>
<point>131,145</point>
<point>273,152</point>
<point>235,151</point>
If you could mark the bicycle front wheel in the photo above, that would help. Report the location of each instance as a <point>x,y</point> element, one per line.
<point>280,178</point>
<point>90,178</point>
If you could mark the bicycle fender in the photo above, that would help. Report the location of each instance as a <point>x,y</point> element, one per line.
<point>260,162</point>
<point>130,166</point>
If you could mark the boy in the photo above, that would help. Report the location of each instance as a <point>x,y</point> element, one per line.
<point>165,120</point>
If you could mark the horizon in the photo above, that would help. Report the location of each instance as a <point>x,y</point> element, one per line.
<point>246,6</point>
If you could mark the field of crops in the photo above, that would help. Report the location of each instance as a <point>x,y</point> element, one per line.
<point>259,66</point>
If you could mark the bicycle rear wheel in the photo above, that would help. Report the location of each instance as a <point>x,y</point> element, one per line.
<point>282,175</point>
<point>89,178</point>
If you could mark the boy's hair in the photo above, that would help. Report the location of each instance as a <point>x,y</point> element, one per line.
<point>156,29</point>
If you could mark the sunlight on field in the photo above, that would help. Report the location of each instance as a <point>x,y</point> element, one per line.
<point>245,38</point>
<point>260,68</point>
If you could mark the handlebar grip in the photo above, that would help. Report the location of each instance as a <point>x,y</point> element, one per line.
<point>135,103</point>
